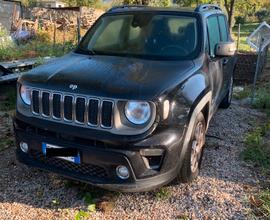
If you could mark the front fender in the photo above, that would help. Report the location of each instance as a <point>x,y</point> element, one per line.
<point>191,98</point>
<point>185,98</point>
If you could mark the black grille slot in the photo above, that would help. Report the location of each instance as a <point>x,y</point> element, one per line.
<point>57,105</point>
<point>106,114</point>
<point>68,107</point>
<point>80,109</point>
<point>35,100</point>
<point>81,169</point>
<point>46,103</point>
<point>93,112</point>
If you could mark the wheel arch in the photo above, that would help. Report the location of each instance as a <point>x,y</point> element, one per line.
<point>203,105</point>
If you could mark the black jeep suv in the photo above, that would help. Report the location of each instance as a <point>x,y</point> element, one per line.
<point>128,109</point>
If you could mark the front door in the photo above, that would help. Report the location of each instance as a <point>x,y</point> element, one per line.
<point>215,63</point>
<point>227,62</point>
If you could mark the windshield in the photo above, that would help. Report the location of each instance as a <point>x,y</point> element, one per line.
<point>147,35</point>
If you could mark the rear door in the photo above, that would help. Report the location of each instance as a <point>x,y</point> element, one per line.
<point>215,63</point>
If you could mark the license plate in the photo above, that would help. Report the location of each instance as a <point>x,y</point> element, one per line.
<point>68,154</point>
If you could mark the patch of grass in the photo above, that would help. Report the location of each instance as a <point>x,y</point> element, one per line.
<point>243,45</point>
<point>80,215</point>
<point>90,207</point>
<point>34,49</point>
<point>87,191</point>
<point>6,142</point>
<point>246,30</point>
<point>256,151</point>
<point>41,45</point>
<point>261,204</point>
<point>163,194</point>
<point>89,201</point>
<point>182,217</point>
<point>92,198</point>
<point>263,98</point>
<point>242,94</point>
<point>3,31</point>
<point>56,202</point>
<point>9,101</point>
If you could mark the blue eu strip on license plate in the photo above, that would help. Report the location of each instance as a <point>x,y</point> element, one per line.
<point>55,151</point>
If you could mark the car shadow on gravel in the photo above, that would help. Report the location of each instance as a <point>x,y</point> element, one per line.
<point>221,185</point>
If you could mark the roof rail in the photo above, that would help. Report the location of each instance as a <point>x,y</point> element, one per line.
<point>206,7</point>
<point>126,6</point>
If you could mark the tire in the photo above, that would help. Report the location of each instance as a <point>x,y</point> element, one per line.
<point>226,102</point>
<point>190,168</point>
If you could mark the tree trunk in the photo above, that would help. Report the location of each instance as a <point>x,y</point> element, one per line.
<point>229,5</point>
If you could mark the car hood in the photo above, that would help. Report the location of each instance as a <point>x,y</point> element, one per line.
<point>109,76</point>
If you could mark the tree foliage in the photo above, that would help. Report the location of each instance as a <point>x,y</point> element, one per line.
<point>75,3</point>
<point>29,3</point>
<point>239,9</point>
<point>262,14</point>
<point>192,3</point>
<point>78,3</point>
<point>249,7</point>
<point>137,2</point>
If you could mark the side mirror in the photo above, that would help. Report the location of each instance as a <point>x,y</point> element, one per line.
<point>225,49</point>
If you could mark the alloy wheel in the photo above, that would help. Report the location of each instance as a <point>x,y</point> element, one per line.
<point>197,146</point>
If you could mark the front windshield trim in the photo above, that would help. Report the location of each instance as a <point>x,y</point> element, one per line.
<point>193,55</point>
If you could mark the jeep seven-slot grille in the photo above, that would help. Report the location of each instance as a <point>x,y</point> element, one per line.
<point>70,108</point>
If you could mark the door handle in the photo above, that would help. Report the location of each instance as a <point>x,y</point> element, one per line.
<point>225,62</point>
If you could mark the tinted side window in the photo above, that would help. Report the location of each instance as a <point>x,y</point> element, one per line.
<point>214,34</point>
<point>223,28</point>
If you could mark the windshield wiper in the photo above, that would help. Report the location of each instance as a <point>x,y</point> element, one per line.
<point>91,52</point>
<point>87,51</point>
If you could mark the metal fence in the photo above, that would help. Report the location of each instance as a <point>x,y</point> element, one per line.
<point>262,61</point>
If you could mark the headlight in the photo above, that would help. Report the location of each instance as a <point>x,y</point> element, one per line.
<point>137,112</point>
<point>25,95</point>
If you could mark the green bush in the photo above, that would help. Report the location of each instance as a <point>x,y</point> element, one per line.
<point>256,151</point>
<point>9,103</point>
<point>163,194</point>
<point>34,48</point>
<point>3,31</point>
<point>263,98</point>
<point>43,36</point>
<point>245,93</point>
<point>5,39</point>
<point>240,19</point>
<point>262,14</point>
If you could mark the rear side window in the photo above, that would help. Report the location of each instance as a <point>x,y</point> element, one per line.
<point>223,28</point>
<point>213,33</point>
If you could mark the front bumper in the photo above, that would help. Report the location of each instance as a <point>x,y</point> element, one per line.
<point>152,162</point>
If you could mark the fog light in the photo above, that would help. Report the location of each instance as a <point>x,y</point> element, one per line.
<point>24,147</point>
<point>122,172</point>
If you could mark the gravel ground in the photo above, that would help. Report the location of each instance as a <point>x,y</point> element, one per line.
<point>220,192</point>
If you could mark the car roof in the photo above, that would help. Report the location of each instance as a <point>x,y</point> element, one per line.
<point>139,8</point>
<point>201,9</point>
